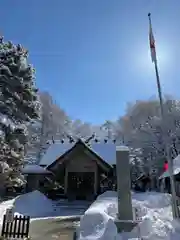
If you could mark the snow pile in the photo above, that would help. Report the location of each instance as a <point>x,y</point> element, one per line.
<point>33,204</point>
<point>156,215</point>
<point>97,225</point>
<point>98,220</point>
<point>36,205</point>
<point>152,199</point>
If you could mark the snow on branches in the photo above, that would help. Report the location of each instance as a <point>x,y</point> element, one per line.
<point>19,104</point>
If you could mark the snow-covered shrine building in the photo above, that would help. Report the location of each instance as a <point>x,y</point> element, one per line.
<point>78,167</point>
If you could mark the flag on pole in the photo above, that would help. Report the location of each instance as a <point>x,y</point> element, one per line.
<point>152,41</point>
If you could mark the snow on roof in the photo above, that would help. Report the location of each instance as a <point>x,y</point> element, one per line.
<point>34,169</point>
<point>176,168</point>
<point>122,148</point>
<point>54,152</point>
<point>107,151</point>
<point>166,174</point>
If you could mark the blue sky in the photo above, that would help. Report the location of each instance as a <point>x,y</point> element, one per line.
<point>93,55</point>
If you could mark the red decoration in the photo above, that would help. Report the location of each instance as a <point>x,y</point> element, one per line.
<point>165,167</point>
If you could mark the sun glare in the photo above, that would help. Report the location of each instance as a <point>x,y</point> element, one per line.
<point>144,62</point>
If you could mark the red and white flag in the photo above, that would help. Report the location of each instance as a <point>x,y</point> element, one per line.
<point>152,41</point>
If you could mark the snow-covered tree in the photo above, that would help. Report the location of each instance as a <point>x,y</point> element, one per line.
<point>143,128</point>
<point>109,128</point>
<point>54,125</point>
<point>37,142</point>
<point>80,129</point>
<point>18,105</point>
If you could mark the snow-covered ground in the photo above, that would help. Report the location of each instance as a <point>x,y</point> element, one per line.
<point>98,221</point>
<point>38,206</point>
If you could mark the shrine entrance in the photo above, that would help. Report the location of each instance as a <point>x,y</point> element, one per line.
<point>81,184</point>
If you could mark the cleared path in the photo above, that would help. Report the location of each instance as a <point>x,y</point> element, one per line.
<point>48,229</point>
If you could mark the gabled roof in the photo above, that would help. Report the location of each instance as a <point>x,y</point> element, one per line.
<point>55,151</point>
<point>100,161</point>
<point>34,169</point>
<point>106,151</point>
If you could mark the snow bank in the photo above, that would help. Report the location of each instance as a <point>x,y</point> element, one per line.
<point>38,206</point>
<point>156,214</point>
<point>98,221</point>
<point>34,204</point>
<point>153,199</point>
<point>97,225</point>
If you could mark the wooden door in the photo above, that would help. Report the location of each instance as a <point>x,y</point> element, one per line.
<point>81,184</point>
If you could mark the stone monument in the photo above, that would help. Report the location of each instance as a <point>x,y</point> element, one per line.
<point>124,221</point>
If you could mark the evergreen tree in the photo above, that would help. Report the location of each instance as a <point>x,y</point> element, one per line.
<point>19,104</point>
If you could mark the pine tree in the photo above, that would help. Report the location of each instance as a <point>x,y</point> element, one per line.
<point>19,104</point>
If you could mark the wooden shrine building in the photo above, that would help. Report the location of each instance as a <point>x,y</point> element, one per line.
<point>79,168</point>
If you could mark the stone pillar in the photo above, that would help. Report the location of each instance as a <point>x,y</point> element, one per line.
<point>124,221</point>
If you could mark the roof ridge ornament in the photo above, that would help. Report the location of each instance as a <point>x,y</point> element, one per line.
<point>90,138</point>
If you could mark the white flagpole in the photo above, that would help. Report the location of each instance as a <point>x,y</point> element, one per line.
<point>175,210</point>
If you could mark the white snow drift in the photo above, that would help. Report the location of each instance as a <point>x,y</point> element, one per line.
<point>38,206</point>
<point>98,221</point>
<point>34,204</point>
